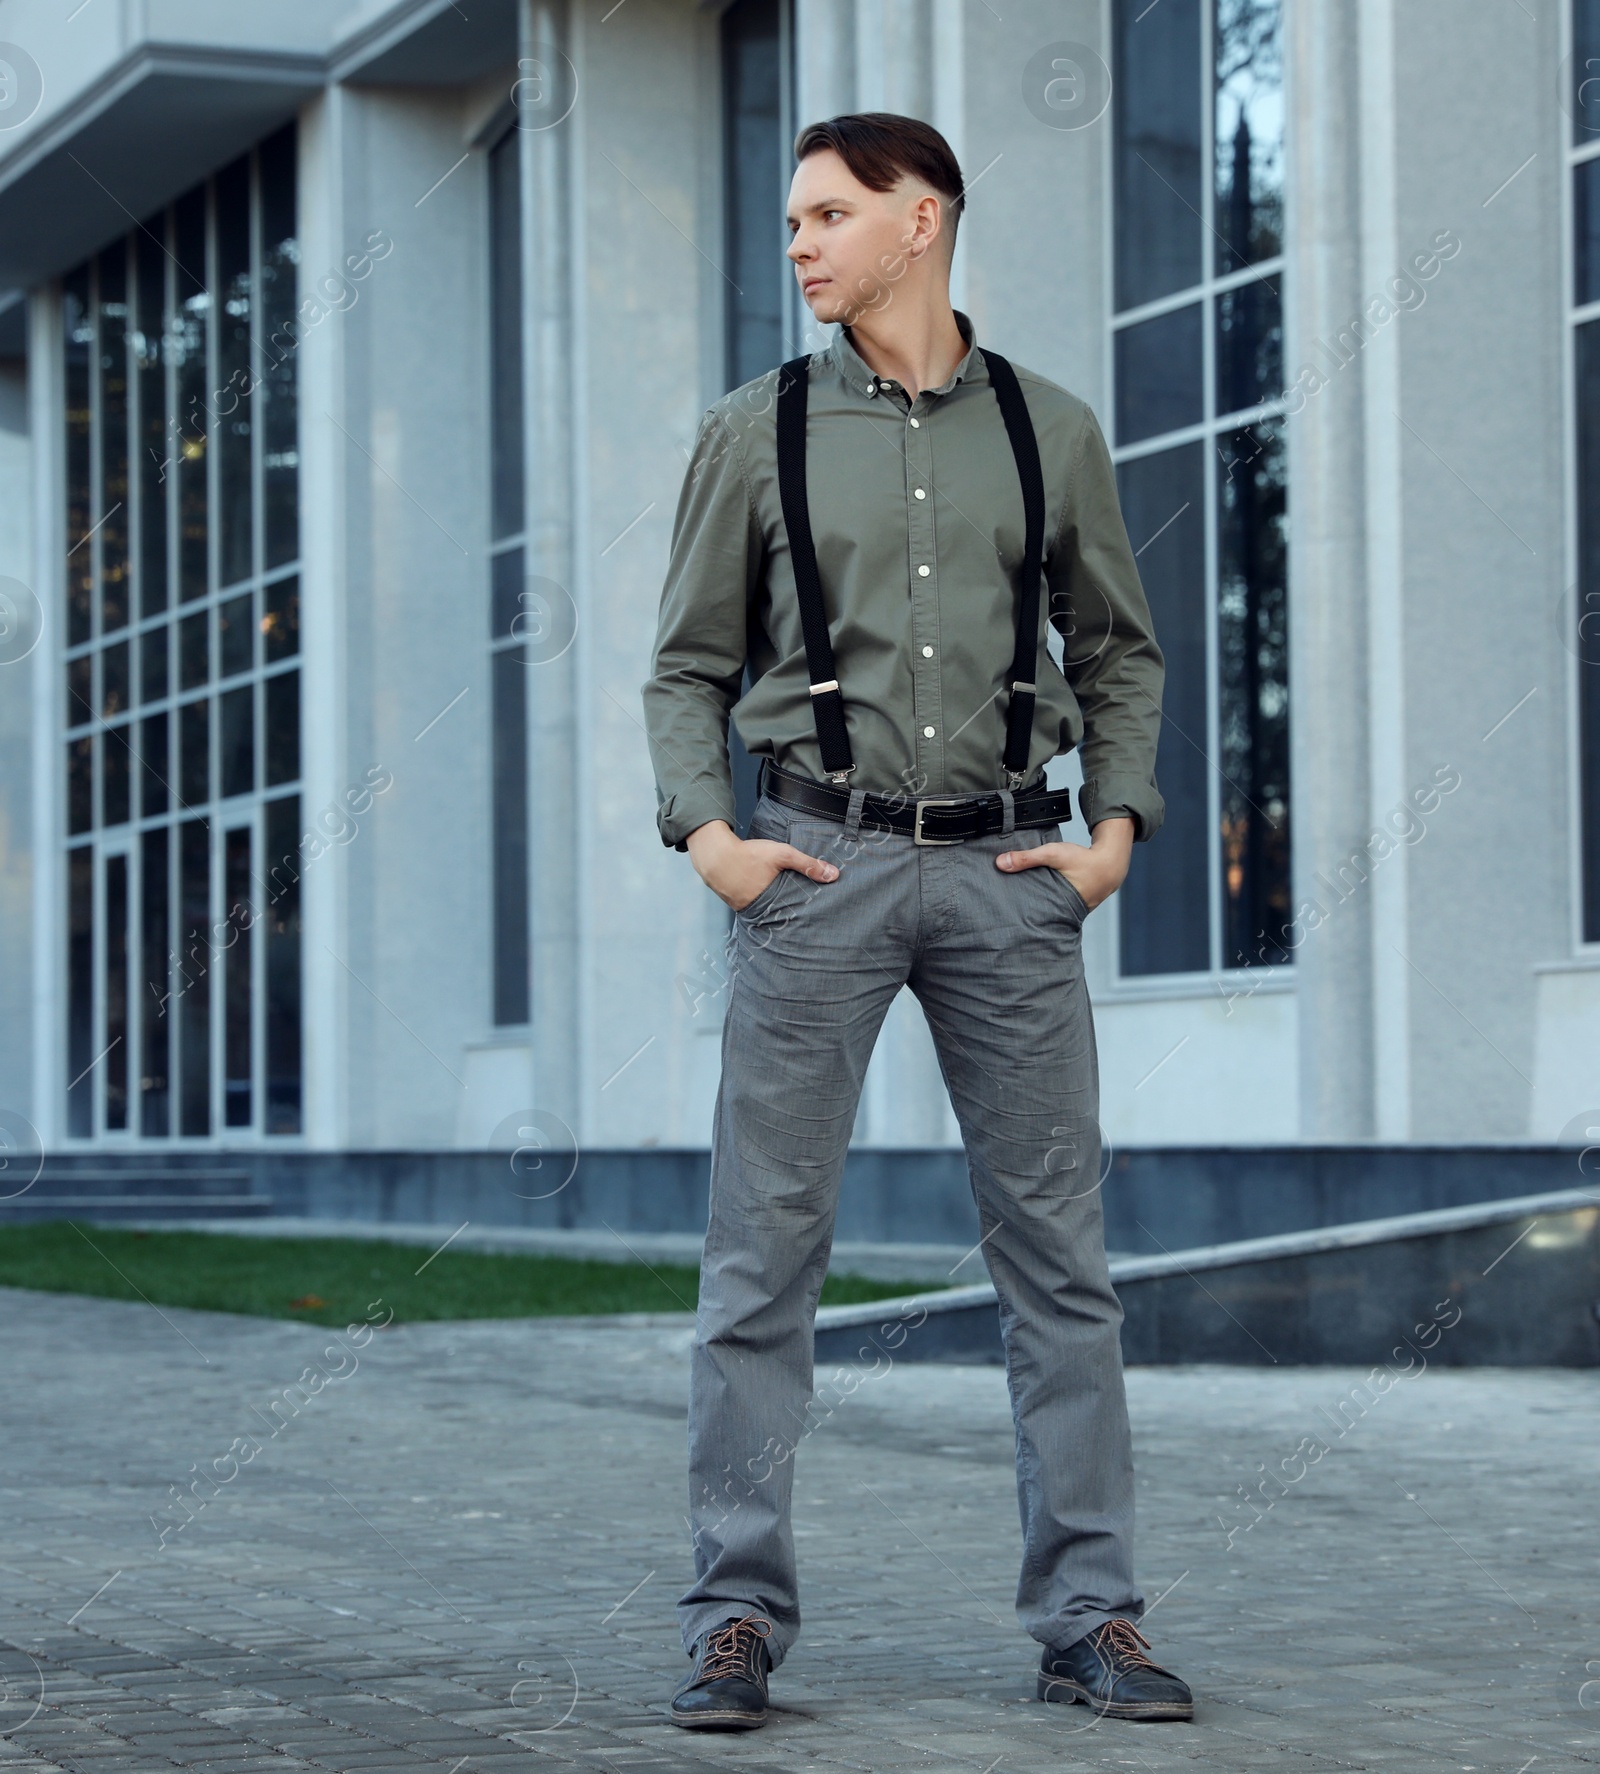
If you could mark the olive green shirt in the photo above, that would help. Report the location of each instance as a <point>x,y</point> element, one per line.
<point>916,512</point>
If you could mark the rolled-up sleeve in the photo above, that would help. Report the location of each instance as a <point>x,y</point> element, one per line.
<point>697,668</point>
<point>1110,656</point>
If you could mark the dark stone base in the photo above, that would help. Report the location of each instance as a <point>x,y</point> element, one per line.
<point>1156,1198</point>
<point>1515,1289</point>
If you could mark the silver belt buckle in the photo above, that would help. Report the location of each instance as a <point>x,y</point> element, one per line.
<point>935,801</point>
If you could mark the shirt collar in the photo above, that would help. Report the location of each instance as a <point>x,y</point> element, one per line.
<point>848,361</point>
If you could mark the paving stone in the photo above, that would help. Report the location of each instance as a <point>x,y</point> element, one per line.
<point>471,1548</point>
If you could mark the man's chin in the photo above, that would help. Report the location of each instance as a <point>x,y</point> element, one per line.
<point>829,308</point>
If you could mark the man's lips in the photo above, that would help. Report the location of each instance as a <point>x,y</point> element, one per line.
<point>811,283</point>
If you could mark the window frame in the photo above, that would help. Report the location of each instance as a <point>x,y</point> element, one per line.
<point>60,726</point>
<point>1215,978</point>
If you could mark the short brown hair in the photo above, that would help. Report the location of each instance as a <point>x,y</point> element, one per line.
<point>881,147</point>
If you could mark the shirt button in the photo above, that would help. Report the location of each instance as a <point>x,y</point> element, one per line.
<point>923,571</point>
<point>927,733</point>
<point>916,424</point>
<point>920,494</point>
<point>927,652</point>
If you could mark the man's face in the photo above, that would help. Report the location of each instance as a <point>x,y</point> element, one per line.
<point>849,245</point>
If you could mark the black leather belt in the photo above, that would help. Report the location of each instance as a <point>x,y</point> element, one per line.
<point>929,819</point>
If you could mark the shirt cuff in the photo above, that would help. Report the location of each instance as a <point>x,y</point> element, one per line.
<point>681,814</point>
<point>1134,797</point>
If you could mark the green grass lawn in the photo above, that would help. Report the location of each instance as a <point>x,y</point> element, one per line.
<point>346,1280</point>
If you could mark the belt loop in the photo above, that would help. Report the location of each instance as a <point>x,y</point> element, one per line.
<point>852,819</point>
<point>1009,802</point>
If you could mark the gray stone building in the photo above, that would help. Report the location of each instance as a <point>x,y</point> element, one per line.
<point>350,352</point>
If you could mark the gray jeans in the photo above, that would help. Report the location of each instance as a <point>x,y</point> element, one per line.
<point>996,963</point>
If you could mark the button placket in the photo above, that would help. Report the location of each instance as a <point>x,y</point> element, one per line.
<point>928,699</point>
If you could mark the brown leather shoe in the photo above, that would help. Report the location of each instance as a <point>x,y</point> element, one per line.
<point>728,1689</point>
<point>1108,1670</point>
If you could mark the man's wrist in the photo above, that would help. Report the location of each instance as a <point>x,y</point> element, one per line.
<point>710,833</point>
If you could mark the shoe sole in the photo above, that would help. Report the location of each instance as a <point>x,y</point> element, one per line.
<point>1059,1689</point>
<point>719,1721</point>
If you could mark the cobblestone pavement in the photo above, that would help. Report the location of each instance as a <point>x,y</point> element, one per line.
<point>457,1549</point>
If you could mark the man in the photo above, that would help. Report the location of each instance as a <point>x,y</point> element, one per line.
<point>866,526</point>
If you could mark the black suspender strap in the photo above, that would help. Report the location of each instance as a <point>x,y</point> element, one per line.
<point>1025,447</point>
<point>827,704</point>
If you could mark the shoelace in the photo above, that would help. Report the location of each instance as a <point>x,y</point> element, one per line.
<point>1123,1640</point>
<point>730,1648</point>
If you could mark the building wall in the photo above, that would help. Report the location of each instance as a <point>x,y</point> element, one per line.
<point>1443,999</point>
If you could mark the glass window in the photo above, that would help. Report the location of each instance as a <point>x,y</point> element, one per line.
<point>1249,346</point>
<point>281,941</point>
<point>1584,98</point>
<point>510,790</point>
<point>1583,105</point>
<point>193,988</point>
<point>279,394</point>
<point>511,982</point>
<point>194,649</point>
<point>280,627</point>
<point>282,738</point>
<point>1586,232</point>
<point>1156,153</point>
<point>111,539</point>
<point>181,489</point>
<point>763,309</point>
<point>1253,699</point>
<point>189,334</point>
<point>153,674</point>
<point>232,407</point>
<point>116,775</point>
<point>114,680</point>
<point>155,957</point>
<point>1248,133</point>
<point>238,1036</point>
<point>1165,921</point>
<point>236,740</point>
<point>116,1050</point>
<point>1207,514</point>
<point>77,325</point>
<point>1160,380</point>
<point>756,179</point>
<point>154,792</point>
<point>149,356</point>
<point>505,329</point>
<point>194,753</point>
<point>235,636</point>
<point>1587,643</point>
<point>80,689</point>
<point>80,989</point>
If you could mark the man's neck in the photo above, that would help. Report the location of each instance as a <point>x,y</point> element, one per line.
<point>915,344</point>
